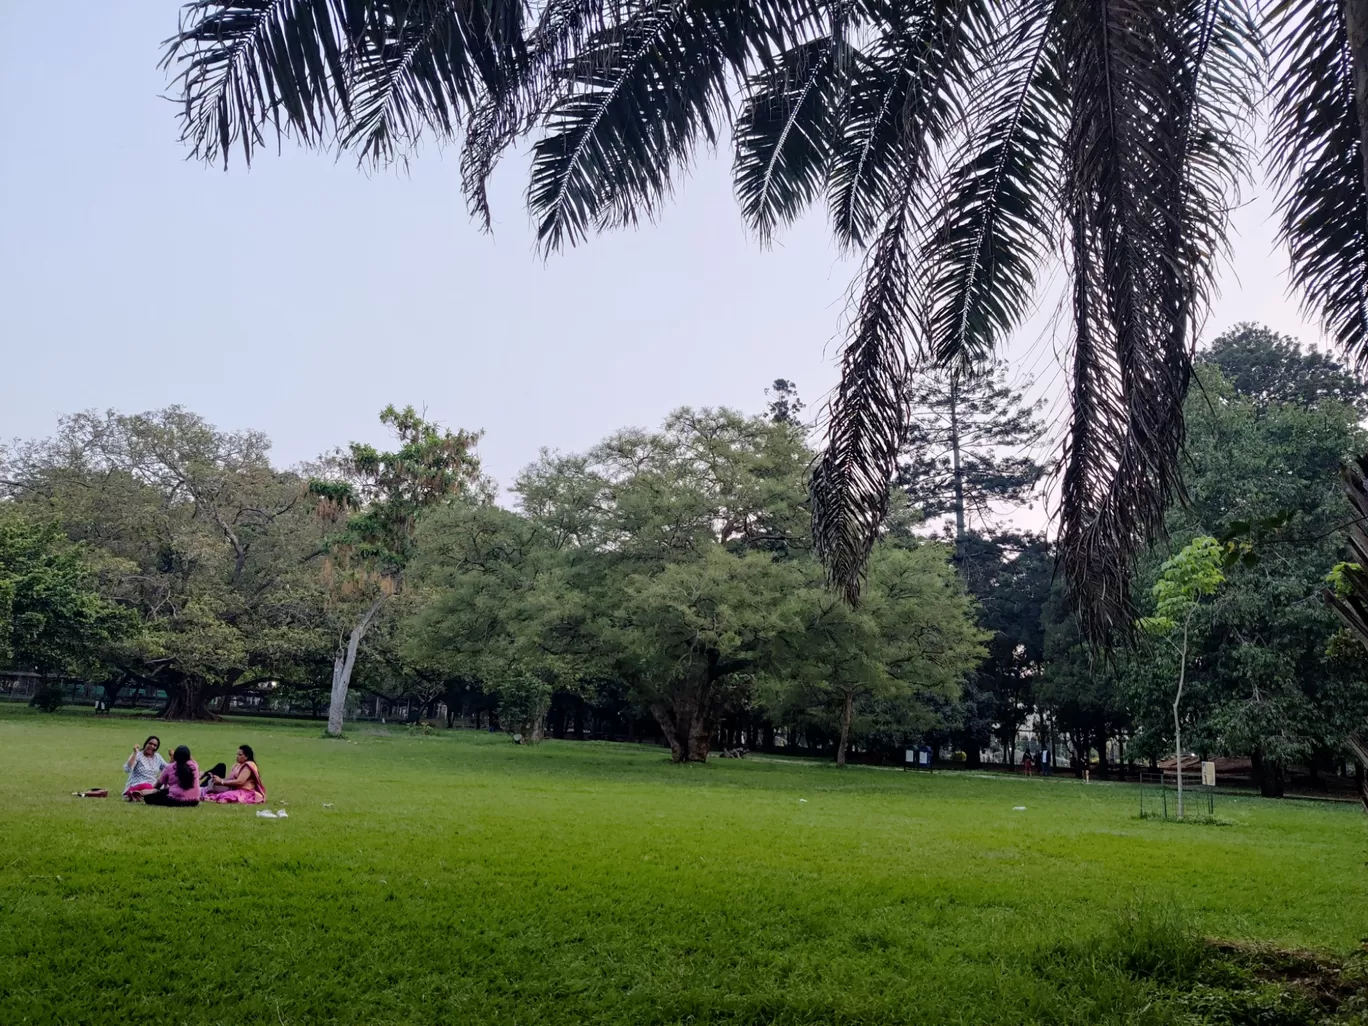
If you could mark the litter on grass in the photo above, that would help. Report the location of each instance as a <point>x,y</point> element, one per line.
<point>265,814</point>
<point>282,814</point>
<point>1018,808</point>
<point>803,800</point>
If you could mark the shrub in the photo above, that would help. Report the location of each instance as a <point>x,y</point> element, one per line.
<point>48,698</point>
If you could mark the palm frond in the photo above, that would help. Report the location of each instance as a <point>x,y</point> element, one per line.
<point>646,90</point>
<point>867,417</point>
<point>422,65</point>
<point>1152,158</point>
<point>510,112</point>
<point>633,100</point>
<point>242,65</point>
<point>784,132</point>
<point>902,100</point>
<point>1317,157</point>
<point>993,217</point>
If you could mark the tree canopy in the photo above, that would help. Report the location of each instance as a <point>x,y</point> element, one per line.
<point>677,562</point>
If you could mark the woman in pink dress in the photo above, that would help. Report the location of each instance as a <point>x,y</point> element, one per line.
<point>178,786</point>
<point>241,785</point>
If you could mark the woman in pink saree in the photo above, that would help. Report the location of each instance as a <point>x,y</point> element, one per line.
<point>242,785</point>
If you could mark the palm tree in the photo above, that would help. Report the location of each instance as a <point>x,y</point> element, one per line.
<point>959,145</point>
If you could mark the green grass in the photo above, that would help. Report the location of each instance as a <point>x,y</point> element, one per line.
<point>457,878</point>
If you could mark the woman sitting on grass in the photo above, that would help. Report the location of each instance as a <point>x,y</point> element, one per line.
<point>178,785</point>
<point>243,785</point>
<point>143,767</point>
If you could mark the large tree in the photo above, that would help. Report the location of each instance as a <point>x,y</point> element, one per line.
<point>1267,675</point>
<point>959,144</point>
<point>1010,575</point>
<point>909,645</point>
<point>208,543</point>
<point>967,461</point>
<point>658,530</point>
<point>968,450</point>
<point>53,618</point>
<point>674,565</point>
<point>1277,687</point>
<point>1267,367</point>
<point>374,500</point>
<point>495,610</point>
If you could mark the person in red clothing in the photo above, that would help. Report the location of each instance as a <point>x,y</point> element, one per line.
<point>1027,764</point>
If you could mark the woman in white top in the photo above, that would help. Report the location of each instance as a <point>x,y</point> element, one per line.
<point>144,767</point>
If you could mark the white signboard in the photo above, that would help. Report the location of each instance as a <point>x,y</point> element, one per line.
<point>1208,774</point>
<point>911,756</point>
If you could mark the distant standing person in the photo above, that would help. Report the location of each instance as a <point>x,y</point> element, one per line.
<point>143,767</point>
<point>1044,762</point>
<point>1026,764</point>
<point>178,786</point>
<point>241,785</point>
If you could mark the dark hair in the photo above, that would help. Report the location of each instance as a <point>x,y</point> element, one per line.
<point>247,751</point>
<point>185,776</point>
<point>150,739</point>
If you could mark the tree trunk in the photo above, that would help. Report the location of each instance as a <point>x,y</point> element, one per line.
<point>1271,775</point>
<point>957,469</point>
<point>1177,724</point>
<point>1356,28</point>
<point>687,720</point>
<point>700,737</point>
<point>112,688</point>
<point>1271,779</point>
<point>847,706</point>
<point>186,702</point>
<point>343,664</point>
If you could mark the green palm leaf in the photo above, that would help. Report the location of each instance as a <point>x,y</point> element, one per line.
<point>993,220</point>
<point>243,64</point>
<point>648,89</point>
<point>421,65</point>
<point>784,132</point>
<point>902,100</point>
<point>1317,156</point>
<point>867,416</point>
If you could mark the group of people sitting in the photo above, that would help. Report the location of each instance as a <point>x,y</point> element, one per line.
<point>154,781</point>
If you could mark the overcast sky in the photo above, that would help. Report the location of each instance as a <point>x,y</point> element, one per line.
<point>302,296</point>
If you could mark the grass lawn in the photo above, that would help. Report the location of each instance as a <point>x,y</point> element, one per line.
<point>458,878</point>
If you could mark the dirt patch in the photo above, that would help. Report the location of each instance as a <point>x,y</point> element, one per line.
<point>1263,984</point>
